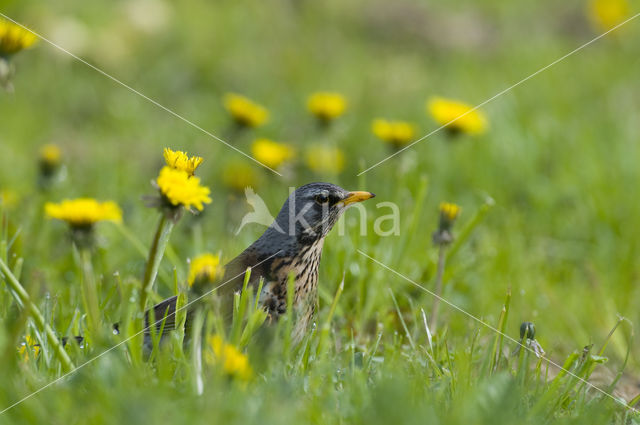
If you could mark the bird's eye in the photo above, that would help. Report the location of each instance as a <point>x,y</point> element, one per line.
<point>322,198</point>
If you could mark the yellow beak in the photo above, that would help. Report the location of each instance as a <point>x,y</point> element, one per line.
<point>357,196</point>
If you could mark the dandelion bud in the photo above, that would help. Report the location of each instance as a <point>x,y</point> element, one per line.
<point>49,163</point>
<point>528,330</point>
<point>448,214</point>
<point>13,38</point>
<point>528,341</point>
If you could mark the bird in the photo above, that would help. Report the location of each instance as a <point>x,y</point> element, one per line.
<point>291,246</point>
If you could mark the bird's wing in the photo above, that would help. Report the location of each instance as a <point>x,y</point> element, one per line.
<point>164,316</point>
<point>234,271</point>
<point>164,313</point>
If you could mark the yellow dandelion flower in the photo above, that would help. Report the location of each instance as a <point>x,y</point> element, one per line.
<point>270,153</point>
<point>234,362</point>
<point>448,214</point>
<point>204,267</point>
<point>238,175</point>
<point>181,189</point>
<point>449,211</point>
<point>396,133</point>
<point>181,161</point>
<point>244,111</point>
<point>84,212</point>
<point>14,38</point>
<point>325,159</point>
<point>30,345</point>
<point>467,120</point>
<point>327,105</point>
<point>606,14</point>
<point>50,154</point>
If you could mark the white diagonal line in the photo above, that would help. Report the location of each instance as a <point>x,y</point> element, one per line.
<point>128,87</point>
<point>127,339</point>
<point>493,328</point>
<point>492,98</point>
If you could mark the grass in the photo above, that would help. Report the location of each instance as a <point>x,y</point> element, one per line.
<point>549,230</point>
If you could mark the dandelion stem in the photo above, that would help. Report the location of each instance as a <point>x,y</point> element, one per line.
<point>156,253</point>
<point>89,292</point>
<point>19,292</point>
<point>438,289</point>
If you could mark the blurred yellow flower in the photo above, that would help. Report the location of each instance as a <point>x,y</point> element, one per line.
<point>84,212</point>
<point>244,111</point>
<point>606,14</point>
<point>449,211</point>
<point>8,198</point>
<point>14,38</point>
<point>270,153</point>
<point>327,105</point>
<point>396,133</point>
<point>30,345</point>
<point>234,362</point>
<point>448,214</point>
<point>205,267</point>
<point>238,175</point>
<point>181,189</point>
<point>467,119</point>
<point>181,161</point>
<point>51,155</point>
<point>325,159</point>
<point>49,163</point>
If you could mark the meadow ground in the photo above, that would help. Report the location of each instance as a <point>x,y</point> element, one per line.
<point>549,231</point>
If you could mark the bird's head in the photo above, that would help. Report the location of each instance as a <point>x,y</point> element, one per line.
<point>311,211</point>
